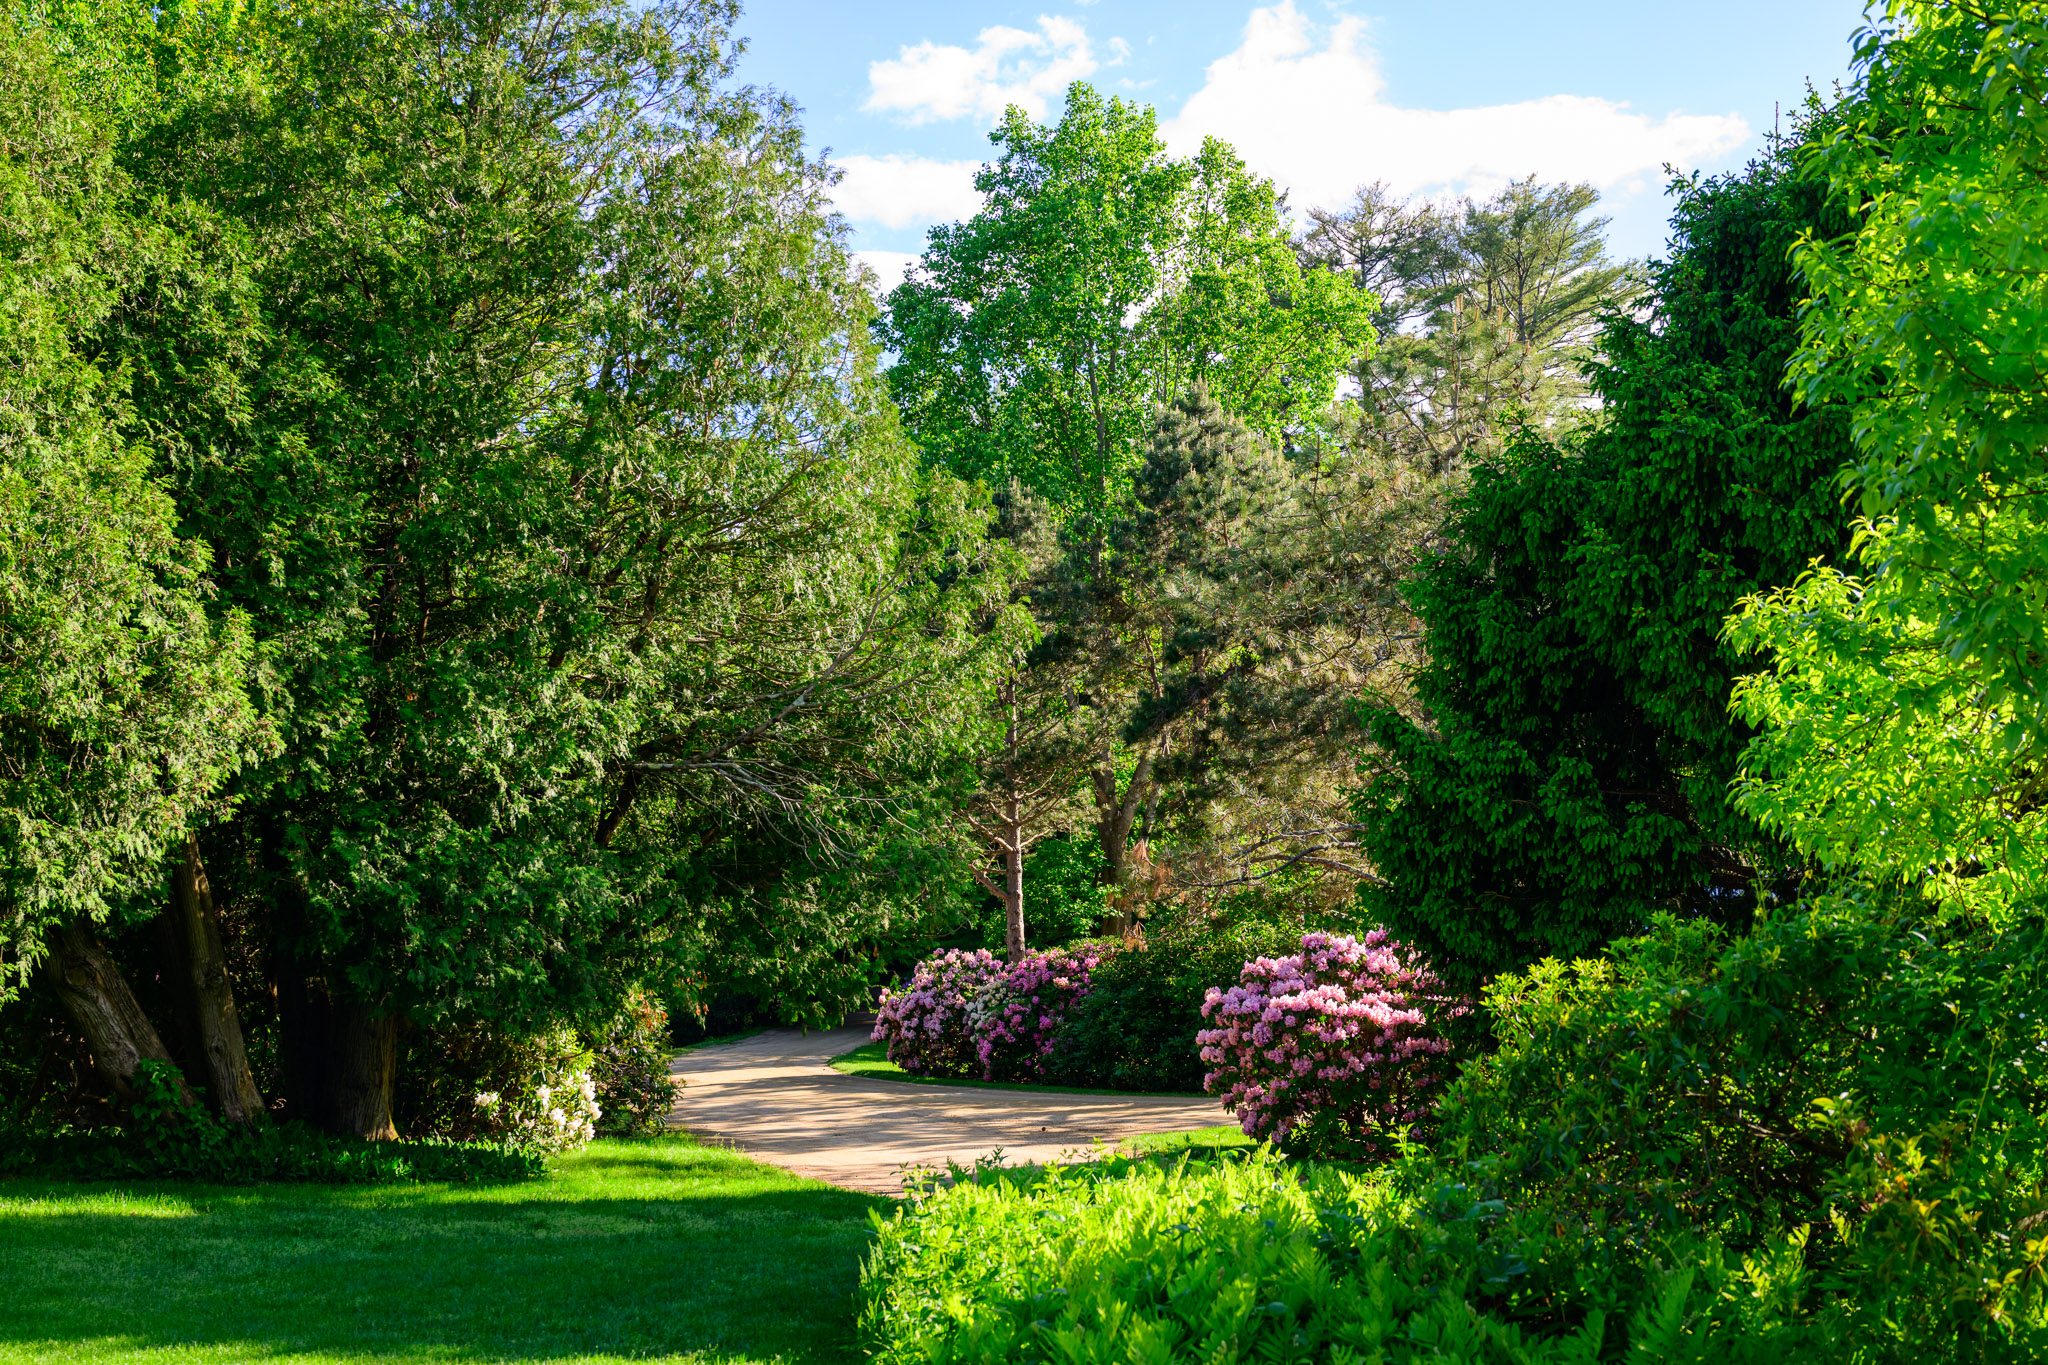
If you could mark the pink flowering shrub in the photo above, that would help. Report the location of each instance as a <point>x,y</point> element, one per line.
<point>1328,1049</point>
<point>1017,1018</point>
<point>926,1022</point>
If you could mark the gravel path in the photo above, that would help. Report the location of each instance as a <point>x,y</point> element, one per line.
<point>772,1097</point>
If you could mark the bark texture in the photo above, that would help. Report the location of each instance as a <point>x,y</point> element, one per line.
<point>221,1057</point>
<point>99,1000</point>
<point>363,1064</point>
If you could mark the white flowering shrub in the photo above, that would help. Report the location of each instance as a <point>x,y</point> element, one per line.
<point>558,1115</point>
<point>536,1092</point>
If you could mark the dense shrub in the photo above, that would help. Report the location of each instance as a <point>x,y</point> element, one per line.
<point>161,1138</point>
<point>1136,1027</point>
<point>1016,1018</point>
<point>1852,1076</point>
<point>1259,1260</point>
<point>629,1066</point>
<point>478,1085</point>
<point>925,1022</point>
<point>1329,1048</point>
<point>1822,1141</point>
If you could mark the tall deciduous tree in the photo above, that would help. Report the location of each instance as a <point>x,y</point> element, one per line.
<point>1569,769</point>
<point>1036,341</point>
<point>1905,722</point>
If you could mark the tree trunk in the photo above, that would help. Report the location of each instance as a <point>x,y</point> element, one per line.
<point>1013,887</point>
<point>304,1013</point>
<point>363,1063</point>
<point>98,999</point>
<point>1115,814</point>
<point>222,1059</point>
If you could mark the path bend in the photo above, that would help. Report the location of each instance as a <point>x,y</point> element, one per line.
<point>773,1097</point>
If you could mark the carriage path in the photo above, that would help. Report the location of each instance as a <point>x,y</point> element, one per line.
<point>774,1098</point>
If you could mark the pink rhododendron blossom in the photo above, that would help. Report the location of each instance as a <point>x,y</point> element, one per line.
<point>1333,1040</point>
<point>1017,1018</point>
<point>926,1022</point>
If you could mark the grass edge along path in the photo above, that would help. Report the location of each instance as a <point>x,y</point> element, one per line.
<point>653,1249</point>
<point>871,1060</point>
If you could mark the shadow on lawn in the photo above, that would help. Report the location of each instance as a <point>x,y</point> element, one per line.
<point>524,1272</point>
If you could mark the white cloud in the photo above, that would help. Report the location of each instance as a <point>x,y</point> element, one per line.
<point>1307,107</point>
<point>1006,66</point>
<point>887,265</point>
<point>898,191</point>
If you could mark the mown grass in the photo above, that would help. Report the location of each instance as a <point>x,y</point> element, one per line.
<point>872,1060</point>
<point>1197,1143</point>
<point>648,1250</point>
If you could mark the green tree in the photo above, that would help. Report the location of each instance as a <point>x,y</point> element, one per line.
<point>1568,771</point>
<point>122,709</point>
<point>1100,278</point>
<point>1037,340</point>
<point>520,381</point>
<point>1487,314</point>
<point>1905,720</point>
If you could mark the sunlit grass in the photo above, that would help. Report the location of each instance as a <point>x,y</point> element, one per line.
<point>661,1250</point>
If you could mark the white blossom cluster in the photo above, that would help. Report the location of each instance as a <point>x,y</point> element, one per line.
<point>557,1117</point>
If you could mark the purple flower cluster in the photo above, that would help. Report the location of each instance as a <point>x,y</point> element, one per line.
<point>1332,1040</point>
<point>926,1023</point>
<point>1018,1016</point>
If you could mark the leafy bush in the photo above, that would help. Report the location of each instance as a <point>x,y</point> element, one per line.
<point>925,1023</point>
<point>1135,1029</point>
<point>1853,1076</point>
<point>165,1139</point>
<point>474,1084</point>
<point>1260,1260</point>
<point>1819,1142</point>
<point>1329,1047</point>
<point>629,1065</point>
<point>1017,1017</point>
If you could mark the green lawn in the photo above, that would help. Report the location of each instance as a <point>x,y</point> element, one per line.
<point>659,1249</point>
<point>872,1059</point>
<point>1195,1142</point>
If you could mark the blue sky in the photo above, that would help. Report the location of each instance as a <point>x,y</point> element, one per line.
<point>1436,99</point>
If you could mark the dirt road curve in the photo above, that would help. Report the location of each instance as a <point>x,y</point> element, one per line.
<point>773,1097</point>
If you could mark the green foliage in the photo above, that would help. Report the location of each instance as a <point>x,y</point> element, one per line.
<point>511,366</point>
<point>1100,278</point>
<point>1822,1140</point>
<point>629,1063</point>
<point>122,710</point>
<point>1849,1076</point>
<point>1571,775</point>
<point>1486,314</point>
<point>163,1138</point>
<point>1258,1260</point>
<point>1067,898</point>
<point>1904,723</point>
<point>1135,1029</point>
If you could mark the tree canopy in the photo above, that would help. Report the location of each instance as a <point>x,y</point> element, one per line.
<point>1567,774</point>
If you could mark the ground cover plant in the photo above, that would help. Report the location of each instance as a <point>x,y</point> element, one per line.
<point>649,1249</point>
<point>1257,1259</point>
